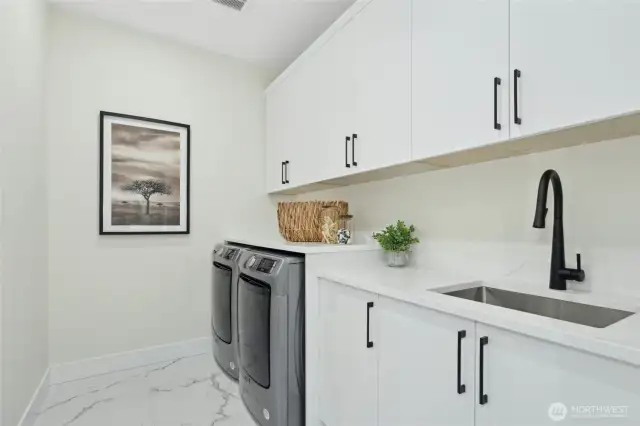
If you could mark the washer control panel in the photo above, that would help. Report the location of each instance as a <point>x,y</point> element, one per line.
<point>230,253</point>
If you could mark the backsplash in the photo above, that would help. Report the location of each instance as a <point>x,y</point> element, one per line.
<point>478,219</point>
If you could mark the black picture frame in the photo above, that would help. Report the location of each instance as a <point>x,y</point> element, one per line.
<point>184,194</point>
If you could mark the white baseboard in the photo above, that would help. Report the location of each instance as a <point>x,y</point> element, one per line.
<point>29,417</point>
<point>126,360</point>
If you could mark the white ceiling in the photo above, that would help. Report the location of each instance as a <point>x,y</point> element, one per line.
<point>269,33</point>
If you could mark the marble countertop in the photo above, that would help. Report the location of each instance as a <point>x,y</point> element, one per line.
<point>620,341</point>
<point>304,248</point>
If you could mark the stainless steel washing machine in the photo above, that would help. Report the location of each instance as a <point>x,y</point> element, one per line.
<point>224,304</point>
<point>271,337</point>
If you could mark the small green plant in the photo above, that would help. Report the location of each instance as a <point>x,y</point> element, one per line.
<point>398,237</point>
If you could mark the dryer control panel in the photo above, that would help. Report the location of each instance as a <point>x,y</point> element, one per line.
<point>264,264</point>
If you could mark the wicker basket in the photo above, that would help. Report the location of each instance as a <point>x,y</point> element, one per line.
<point>300,221</point>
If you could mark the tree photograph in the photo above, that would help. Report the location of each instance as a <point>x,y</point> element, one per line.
<point>145,176</point>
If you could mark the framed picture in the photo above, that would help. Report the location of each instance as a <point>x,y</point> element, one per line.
<point>144,175</point>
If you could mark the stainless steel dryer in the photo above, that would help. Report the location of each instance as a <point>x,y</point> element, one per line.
<point>271,337</point>
<point>224,304</point>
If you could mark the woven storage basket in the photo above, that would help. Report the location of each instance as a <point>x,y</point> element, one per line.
<point>300,221</point>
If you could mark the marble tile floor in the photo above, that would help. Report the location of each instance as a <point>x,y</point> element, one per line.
<point>190,391</point>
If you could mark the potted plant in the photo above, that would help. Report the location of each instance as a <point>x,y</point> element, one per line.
<point>396,241</point>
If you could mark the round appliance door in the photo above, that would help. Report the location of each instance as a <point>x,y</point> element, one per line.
<point>221,303</point>
<point>254,321</point>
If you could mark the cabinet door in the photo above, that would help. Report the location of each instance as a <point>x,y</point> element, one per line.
<point>418,367</point>
<point>578,61</point>
<point>348,372</point>
<point>529,382</point>
<point>380,64</point>
<point>331,106</point>
<point>286,124</point>
<point>277,108</point>
<point>459,49</point>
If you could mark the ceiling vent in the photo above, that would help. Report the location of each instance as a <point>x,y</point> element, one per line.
<point>233,4</point>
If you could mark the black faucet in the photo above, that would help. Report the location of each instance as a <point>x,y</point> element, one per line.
<point>559,273</point>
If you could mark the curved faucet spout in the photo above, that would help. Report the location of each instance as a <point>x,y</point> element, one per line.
<point>541,205</point>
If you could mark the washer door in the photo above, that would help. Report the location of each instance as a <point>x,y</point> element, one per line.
<point>254,322</point>
<point>221,303</point>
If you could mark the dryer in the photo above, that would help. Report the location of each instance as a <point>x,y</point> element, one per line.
<point>224,304</point>
<point>271,337</point>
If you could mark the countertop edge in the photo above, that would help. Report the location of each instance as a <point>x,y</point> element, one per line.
<point>303,248</point>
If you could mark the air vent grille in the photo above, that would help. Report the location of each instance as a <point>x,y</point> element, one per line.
<point>233,4</point>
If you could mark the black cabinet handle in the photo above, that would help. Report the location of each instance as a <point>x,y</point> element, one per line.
<point>461,388</point>
<point>353,150</point>
<point>516,77</point>
<point>496,82</point>
<point>282,172</point>
<point>286,171</point>
<point>369,306</point>
<point>484,398</point>
<point>346,152</point>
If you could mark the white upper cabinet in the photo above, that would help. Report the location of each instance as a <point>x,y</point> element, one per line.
<point>358,83</point>
<point>381,70</point>
<point>578,61</point>
<point>396,81</point>
<point>286,158</point>
<point>273,153</point>
<point>365,86</point>
<point>280,135</point>
<point>426,366</point>
<point>460,75</point>
<point>529,382</point>
<point>331,106</point>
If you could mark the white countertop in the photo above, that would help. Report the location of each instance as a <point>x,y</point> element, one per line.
<point>620,341</point>
<point>304,248</point>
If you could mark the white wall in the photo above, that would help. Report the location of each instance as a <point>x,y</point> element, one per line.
<point>23,215</point>
<point>478,219</point>
<point>117,293</point>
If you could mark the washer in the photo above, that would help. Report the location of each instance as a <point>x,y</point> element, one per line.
<point>271,337</point>
<point>224,304</point>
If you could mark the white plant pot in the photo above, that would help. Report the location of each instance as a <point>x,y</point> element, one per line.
<point>397,259</point>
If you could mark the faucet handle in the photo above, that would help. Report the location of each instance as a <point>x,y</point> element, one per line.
<point>578,273</point>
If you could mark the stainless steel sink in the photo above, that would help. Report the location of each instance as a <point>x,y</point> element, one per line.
<point>579,313</point>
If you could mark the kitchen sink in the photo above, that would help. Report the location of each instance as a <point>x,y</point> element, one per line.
<point>579,313</point>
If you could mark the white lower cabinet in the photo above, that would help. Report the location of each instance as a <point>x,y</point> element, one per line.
<point>348,359</point>
<point>529,382</point>
<point>419,355</point>
<point>390,363</point>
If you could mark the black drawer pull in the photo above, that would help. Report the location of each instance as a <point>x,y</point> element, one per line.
<point>484,398</point>
<point>369,342</point>
<point>516,77</point>
<point>282,172</point>
<point>461,388</point>
<point>346,152</point>
<point>496,82</point>
<point>353,150</point>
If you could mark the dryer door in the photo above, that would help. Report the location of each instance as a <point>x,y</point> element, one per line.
<point>221,302</point>
<point>254,321</point>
